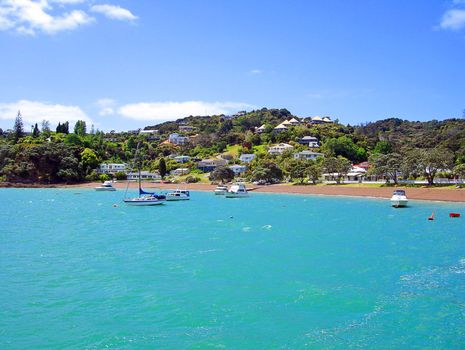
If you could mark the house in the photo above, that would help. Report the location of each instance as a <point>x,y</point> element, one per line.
<point>111,168</point>
<point>364,165</point>
<point>144,175</point>
<point>238,169</point>
<point>247,157</point>
<point>310,141</point>
<point>186,128</point>
<point>294,122</point>
<point>280,148</point>
<point>261,129</point>
<point>178,139</point>
<point>182,159</point>
<point>180,171</point>
<point>150,135</point>
<point>356,174</point>
<point>280,128</point>
<point>207,165</point>
<point>307,155</point>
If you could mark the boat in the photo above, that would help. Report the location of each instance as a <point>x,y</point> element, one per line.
<point>454,215</point>
<point>178,195</point>
<point>106,186</point>
<point>237,190</point>
<point>221,190</point>
<point>399,199</point>
<point>145,198</point>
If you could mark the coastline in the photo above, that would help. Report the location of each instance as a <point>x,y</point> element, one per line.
<point>428,194</point>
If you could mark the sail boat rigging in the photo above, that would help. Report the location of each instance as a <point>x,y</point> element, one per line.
<point>144,198</point>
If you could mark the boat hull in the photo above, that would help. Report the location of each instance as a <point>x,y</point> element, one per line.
<point>174,199</point>
<point>142,203</point>
<point>220,193</point>
<point>398,203</point>
<point>236,195</point>
<point>105,189</point>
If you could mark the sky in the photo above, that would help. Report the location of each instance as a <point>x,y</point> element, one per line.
<point>125,64</point>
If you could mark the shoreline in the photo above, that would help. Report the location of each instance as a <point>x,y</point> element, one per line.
<point>427,194</point>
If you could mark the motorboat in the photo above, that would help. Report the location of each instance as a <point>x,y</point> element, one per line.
<point>106,186</point>
<point>178,195</point>
<point>237,190</point>
<point>399,199</point>
<point>221,190</point>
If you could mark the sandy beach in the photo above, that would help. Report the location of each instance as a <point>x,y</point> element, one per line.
<point>431,194</point>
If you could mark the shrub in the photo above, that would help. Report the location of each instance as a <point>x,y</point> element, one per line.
<point>192,179</point>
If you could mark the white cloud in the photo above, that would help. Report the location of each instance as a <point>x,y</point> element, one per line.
<point>453,19</point>
<point>163,111</point>
<point>107,106</point>
<point>114,12</point>
<point>52,16</point>
<point>256,71</point>
<point>35,111</point>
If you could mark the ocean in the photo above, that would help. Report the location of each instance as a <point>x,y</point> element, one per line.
<point>271,271</point>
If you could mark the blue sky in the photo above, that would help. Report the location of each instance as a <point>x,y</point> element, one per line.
<point>121,64</point>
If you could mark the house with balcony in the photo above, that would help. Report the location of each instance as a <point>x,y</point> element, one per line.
<point>280,148</point>
<point>182,159</point>
<point>180,171</point>
<point>111,168</point>
<point>208,165</point>
<point>247,157</point>
<point>177,139</point>
<point>307,155</point>
<point>144,175</point>
<point>238,169</point>
<point>186,128</point>
<point>310,141</point>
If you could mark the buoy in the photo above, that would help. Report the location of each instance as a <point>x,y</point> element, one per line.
<point>431,217</point>
<point>454,215</point>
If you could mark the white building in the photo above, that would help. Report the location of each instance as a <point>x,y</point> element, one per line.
<point>280,148</point>
<point>178,139</point>
<point>111,168</point>
<point>182,159</point>
<point>186,128</point>
<point>144,175</point>
<point>180,171</point>
<point>238,169</point>
<point>294,122</point>
<point>281,127</point>
<point>311,141</point>
<point>261,129</point>
<point>247,157</point>
<point>307,155</point>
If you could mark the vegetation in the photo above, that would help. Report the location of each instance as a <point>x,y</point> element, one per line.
<point>395,149</point>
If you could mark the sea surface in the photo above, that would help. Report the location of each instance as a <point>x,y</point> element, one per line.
<point>266,272</point>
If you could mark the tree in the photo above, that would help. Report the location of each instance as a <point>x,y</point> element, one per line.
<point>35,132</point>
<point>222,174</point>
<point>386,165</point>
<point>45,128</point>
<point>80,128</point>
<point>18,128</point>
<point>434,160</point>
<point>89,160</point>
<point>339,166</point>
<point>162,167</point>
<point>314,171</point>
<point>297,169</point>
<point>383,147</point>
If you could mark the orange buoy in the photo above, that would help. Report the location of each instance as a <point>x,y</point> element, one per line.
<point>454,215</point>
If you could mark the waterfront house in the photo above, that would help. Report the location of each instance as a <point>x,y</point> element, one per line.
<point>280,148</point>
<point>180,171</point>
<point>111,168</point>
<point>144,175</point>
<point>247,157</point>
<point>238,169</point>
<point>208,165</point>
<point>307,155</point>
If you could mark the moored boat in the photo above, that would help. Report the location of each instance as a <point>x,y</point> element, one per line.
<point>237,190</point>
<point>178,195</point>
<point>221,190</point>
<point>399,199</point>
<point>106,186</point>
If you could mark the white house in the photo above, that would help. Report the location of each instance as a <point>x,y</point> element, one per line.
<point>260,129</point>
<point>281,127</point>
<point>182,159</point>
<point>238,169</point>
<point>144,175</point>
<point>178,139</point>
<point>307,155</point>
<point>247,157</point>
<point>294,122</point>
<point>280,148</point>
<point>311,141</point>
<point>186,128</point>
<point>111,168</point>
<point>180,171</point>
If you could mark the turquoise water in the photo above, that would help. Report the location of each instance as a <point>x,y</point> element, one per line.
<point>266,272</point>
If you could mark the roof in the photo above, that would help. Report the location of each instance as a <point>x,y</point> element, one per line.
<point>286,122</point>
<point>281,126</point>
<point>309,138</point>
<point>310,152</point>
<point>293,120</point>
<point>263,127</point>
